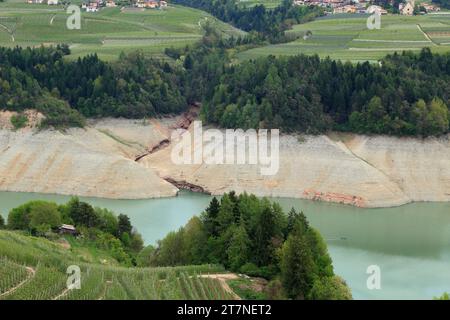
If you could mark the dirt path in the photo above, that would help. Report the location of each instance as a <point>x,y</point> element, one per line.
<point>392,41</point>
<point>222,278</point>
<point>9,31</point>
<point>425,35</point>
<point>103,295</point>
<point>62,294</point>
<point>31,273</point>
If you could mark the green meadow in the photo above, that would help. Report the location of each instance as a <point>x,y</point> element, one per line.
<point>347,37</point>
<point>266,3</point>
<point>107,32</point>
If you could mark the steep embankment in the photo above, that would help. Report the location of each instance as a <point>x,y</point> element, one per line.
<point>130,159</point>
<point>97,161</point>
<point>352,169</point>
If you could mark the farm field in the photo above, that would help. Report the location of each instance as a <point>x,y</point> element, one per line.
<point>107,32</point>
<point>266,3</point>
<point>35,269</point>
<point>346,37</point>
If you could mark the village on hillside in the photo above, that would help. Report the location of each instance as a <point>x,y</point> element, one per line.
<point>363,6</point>
<point>407,7</point>
<point>96,5</point>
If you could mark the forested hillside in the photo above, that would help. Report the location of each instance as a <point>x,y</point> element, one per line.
<point>134,87</point>
<point>270,23</point>
<point>405,94</point>
<point>255,237</point>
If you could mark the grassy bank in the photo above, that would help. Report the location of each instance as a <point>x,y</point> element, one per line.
<point>346,37</point>
<point>107,32</point>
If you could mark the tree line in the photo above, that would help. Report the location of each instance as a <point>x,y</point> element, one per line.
<point>255,237</point>
<point>271,23</point>
<point>97,226</point>
<point>405,94</point>
<point>65,91</point>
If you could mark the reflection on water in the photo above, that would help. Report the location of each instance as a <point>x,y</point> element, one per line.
<point>411,243</point>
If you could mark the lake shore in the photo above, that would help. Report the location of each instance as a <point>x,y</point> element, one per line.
<point>130,159</point>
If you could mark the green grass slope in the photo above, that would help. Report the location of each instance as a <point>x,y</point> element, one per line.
<point>107,32</point>
<point>35,268</point>
<point>346,37</point>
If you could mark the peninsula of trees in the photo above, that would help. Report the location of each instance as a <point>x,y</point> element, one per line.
<point>255,237</point>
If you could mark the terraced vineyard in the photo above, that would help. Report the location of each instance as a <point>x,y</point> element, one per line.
<point>346,37</point>
<point>107,32</point>
<point>35,268</point>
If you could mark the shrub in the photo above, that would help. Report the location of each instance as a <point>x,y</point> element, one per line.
<point>35,216</point>
<point>59,114</point>
<point>330,288</point>
<point>250,269</point>
<point>19,121</point>
<point>146,257</point>
<point>444,296</point>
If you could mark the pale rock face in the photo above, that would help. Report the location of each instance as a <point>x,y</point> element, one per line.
<point>421,168</point>
<point>84,162</point>
<point>314,167</point>
<point>99,161</point>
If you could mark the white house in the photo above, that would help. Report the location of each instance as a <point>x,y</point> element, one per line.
<point>408,8</point>
<point>52,2</point>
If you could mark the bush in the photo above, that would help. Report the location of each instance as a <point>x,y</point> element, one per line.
<point>250,269</point>
<point>146,258</point>
<point>58,114</point>
<point>19,121</point>
<point>35,216</point>
<point>330,288</point>
<point>44,217</point>
<point>268,272</point>
<point>445,296</point>
<point>2,222</point>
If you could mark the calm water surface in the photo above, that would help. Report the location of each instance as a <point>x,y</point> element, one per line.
<point>411,243</point>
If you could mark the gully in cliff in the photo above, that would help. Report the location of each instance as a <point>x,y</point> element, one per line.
<point>232,147</point>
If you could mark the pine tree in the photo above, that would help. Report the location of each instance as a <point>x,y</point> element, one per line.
<point>225,217</point>
<point>264,234</point>
<point>297,265</point>
<point>238,250</point>
<point>209,218</point>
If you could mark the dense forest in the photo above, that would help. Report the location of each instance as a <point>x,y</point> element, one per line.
<point>100,228</point>
<point>271,23</point>
<point>255,237</point>
<point>405,94</point>
<point>40,78</point>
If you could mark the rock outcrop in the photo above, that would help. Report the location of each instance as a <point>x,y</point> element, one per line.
<point>314,168</point>
<point>99,161</point>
